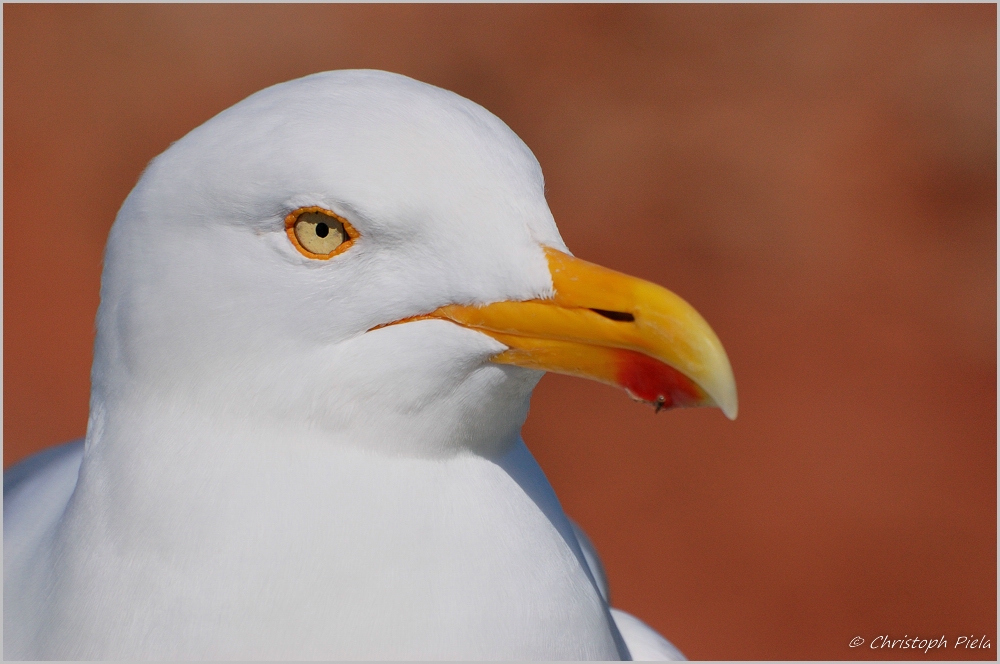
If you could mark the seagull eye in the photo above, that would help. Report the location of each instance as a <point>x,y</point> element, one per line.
<point>319,233</point>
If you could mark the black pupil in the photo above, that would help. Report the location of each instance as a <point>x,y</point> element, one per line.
<point>322,229</point>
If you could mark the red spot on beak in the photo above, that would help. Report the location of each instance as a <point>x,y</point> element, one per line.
<point>652,381</point>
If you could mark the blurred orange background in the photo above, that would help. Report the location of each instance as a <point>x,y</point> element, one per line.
<point>819,181</point>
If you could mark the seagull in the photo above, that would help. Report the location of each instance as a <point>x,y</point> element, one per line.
<point>322,316</point>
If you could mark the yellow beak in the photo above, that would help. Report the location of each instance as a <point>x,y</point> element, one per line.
<point>612,328</point>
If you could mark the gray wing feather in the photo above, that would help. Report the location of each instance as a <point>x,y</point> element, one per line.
<point>644,643</point>
<point>35,494</point>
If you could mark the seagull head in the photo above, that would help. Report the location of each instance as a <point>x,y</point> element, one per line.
<point>356,254</point>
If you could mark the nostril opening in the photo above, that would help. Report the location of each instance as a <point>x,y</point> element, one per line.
<point>620,316</point>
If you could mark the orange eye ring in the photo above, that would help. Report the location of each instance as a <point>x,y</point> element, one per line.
<point>350,233</point>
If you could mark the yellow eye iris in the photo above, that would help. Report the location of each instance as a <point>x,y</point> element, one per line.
<point>319,233</point>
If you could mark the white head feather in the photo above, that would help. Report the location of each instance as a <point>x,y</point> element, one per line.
<point>205,300</point>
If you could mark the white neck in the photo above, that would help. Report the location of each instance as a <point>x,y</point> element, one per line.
<point>258,542</point>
